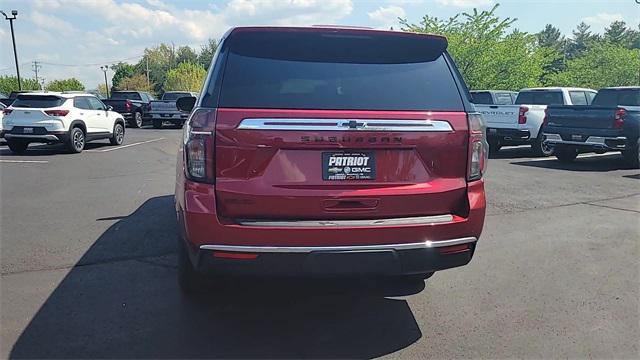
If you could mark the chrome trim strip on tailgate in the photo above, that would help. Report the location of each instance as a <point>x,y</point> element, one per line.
<point>591,140</point>
<point>309,249</point>
<point>308,124</point>
<point>417,220</point>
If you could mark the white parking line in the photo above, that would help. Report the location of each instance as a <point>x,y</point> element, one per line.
<point>24,161</point>
<point>125,146</point>
<point>581,156</point>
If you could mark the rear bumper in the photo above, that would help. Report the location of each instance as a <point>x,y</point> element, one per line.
<point>385,260</point>
<point>169,116</point>
<point>402,248</point>
<point>49,137</point>
<point>509,135</point>
<point>591,142</point>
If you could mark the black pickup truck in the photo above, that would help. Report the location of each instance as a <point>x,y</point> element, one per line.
<point>610,123</point>
<point>133,105</point>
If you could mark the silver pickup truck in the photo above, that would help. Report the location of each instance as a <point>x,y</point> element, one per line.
<point>165,111</point>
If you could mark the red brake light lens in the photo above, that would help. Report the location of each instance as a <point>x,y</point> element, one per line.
<point>127,105</point>
<point>478,148</point>
<point>545,120</point>
<point>618,120</point>
<point>56,112</point>
<point>199,146</point>
<point>522,117</point>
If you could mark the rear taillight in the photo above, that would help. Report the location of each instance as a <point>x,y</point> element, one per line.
<point>56,112</point>
<point>199,152</point>
<point>7,111</point>
<point>478,148</point>
<point>618,120</point>
<point>522,117</point>
<point>127,105</point>
<point>545,120</point>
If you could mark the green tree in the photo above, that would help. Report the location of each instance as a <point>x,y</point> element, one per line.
<point>102,89</point>
<point>136,82</point>
<point>206,53</point>
<point>10,83</point>
<point>121,71</point>
<point>616,33</point>
<point>486,54</point>
<point>551,37</point>
<point>582,37</point>
<point>70,84</point>
<point>186,77</point>
<point>160,59</point>
<point>186,54</point>
<point>603,64</point>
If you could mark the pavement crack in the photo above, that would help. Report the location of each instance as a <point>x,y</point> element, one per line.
<point>614,208</point>
<point>92,263</point>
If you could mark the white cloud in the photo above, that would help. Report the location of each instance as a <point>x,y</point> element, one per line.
<point>405,2</point>
<point>599,21</point>
<point>465,3</point>
<point>50,22</point>
<point>387,16</point>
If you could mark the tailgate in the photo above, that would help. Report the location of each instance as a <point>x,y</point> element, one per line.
<point>499,114</point>
<point>581,116</point>
<point>163,106</point>
<point>297,164</point>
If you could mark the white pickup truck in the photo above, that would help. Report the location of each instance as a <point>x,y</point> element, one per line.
<point>520,124</point>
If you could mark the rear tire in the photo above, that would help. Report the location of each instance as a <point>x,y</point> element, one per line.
<point>540,148</point>
<point>566,154</point>
<point>77,140</point>
<point>157,124</point>
<point>192,283</point>
<point>632,156</point>
<point>117,138</point>
<point>137,122</point>
<point>17,146</point>
<point>494,147</point>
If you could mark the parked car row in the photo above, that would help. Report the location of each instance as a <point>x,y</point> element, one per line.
<point>563,121</point>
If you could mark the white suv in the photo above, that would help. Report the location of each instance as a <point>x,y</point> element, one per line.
<point>51,117</point>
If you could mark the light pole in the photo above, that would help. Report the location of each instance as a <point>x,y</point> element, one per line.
<point>106,84</point>
<point>13,38</point>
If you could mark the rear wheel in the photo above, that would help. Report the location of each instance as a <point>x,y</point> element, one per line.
<point>157,124</point>
<point>118,134</point>
<point>494,146</point>
<point>137,120</point>
<point>76,140</point>
<point>566,154</point>
<point>192,283</point>
<point>17,146</point>
<point>540,147</point>
<point>632,156</point>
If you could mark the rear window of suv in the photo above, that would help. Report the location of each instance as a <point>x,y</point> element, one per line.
<point>37,101</point>
<point>339,71</point>
<point>540,98</point>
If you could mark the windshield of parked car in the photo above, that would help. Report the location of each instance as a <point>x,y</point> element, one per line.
<point>37,101</point>
<point>483,97</point>
<point>175,96</point>
<point>616,97</point>
<point>328,71</point>
<point>540,98</point>
<point>126,96</point>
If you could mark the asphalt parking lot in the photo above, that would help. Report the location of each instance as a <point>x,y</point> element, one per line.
<point>88,270</point>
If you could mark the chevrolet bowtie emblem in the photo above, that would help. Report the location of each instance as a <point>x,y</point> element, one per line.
<point>353,124</point>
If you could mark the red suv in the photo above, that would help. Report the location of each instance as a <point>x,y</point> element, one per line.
<point>329,151</point>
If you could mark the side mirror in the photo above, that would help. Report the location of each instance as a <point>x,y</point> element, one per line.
<point>109,108</point>
<point>186,103</point>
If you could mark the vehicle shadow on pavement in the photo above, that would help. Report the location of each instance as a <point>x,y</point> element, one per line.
<point>121,300</point>
<point>605,163</point>
<point>54,149</point>
<point>515,152</point>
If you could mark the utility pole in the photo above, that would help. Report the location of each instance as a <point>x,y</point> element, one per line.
<point>35,67</point>
<point>106,84</point>
<point>148,81</point>
<point>13,39</point>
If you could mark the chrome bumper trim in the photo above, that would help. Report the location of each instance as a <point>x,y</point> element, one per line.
<point>304,124</point>
<point>418,220</point>
<point>309,249</point>
<point>26,136</point>
<point>591,140</point>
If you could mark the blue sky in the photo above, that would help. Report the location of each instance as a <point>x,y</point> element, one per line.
<point>73,37</point>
